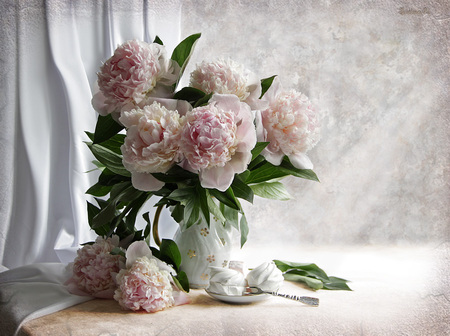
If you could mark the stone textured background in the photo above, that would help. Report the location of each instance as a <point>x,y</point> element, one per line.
<point>379,72</point>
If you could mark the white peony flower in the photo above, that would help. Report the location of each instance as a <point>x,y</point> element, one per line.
<point>151,144</point>
<point>290,124</point>
<point>227,77</point>
<point>136,71</point>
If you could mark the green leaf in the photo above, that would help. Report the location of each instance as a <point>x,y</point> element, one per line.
<point>122,192</point>
<point>271,190</point>
<point>117,251</point>
<point>311,274</point>
<point>203,101</point>
<point>183,51</point>
<point>111,160</point>
<point>178,213</point>
<point>241,189</point>
<point>170,253</point>
<point>214,209</point>
<point>157,40</point>
<point>114,143</point>
<point>312,268</point>
<point>148,227</point>
<point>189,199</point>
<point>335,283</point>
<point>182,281</point>
<point>265,172</point>
<point>98,190</point>
<point>231,216</point>
<point>104,217</point>
<point>259,147</point>
<point>155,252</point>
<point>108,178</point>
<point>105,128</point>
<point>133,209</point>
<point>203,196</point>
<point>226,197</point>
<point>175,174</point>
<point>189,94</point>
<point>265,84</point>
<point>287,167</point>
<point>256,163</point>
<point>243,228</point>
<point>311,282</point>
<point>92,211</point>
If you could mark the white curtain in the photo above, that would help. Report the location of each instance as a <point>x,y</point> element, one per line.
<point>51,51</point>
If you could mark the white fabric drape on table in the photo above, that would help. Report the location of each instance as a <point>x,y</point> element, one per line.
<point>51,54</point>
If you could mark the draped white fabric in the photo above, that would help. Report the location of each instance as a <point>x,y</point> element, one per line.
<point>52,52</point>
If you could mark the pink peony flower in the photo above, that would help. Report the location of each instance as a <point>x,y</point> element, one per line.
<point>136,71</point>
<point>290,124</point>
<point>146,283</point>
<point>94,269</point>
<point>151,144</point>
<point>144,286</point>
<point>227,77</point>
<point>217,140</point>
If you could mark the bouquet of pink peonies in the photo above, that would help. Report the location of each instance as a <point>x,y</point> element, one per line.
<point>227,136</point>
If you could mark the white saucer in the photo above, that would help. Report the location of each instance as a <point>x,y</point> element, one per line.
<point>239,298</point>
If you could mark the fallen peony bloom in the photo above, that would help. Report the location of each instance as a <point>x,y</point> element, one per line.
<point>146,283</point>
<point>95,268</point>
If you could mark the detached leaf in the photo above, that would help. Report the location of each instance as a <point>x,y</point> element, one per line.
<point>105,128</point>
<point>312,268</point>
<point>266,83</point>
<point>311,282</point>
<point>310,274</point>
<point>336,284</point>
<point>271,190</point>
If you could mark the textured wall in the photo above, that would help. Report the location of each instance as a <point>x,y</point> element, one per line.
<point>379,71</point>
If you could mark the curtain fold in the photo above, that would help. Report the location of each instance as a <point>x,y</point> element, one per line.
<point>48,71</point>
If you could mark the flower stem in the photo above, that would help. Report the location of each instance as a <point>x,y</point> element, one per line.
<point>155,225</point>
